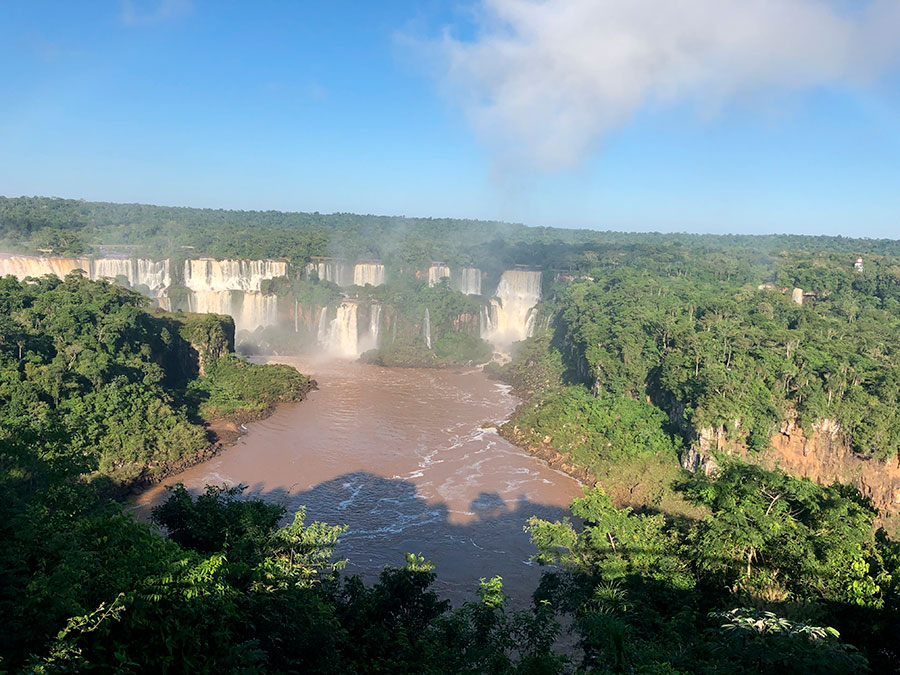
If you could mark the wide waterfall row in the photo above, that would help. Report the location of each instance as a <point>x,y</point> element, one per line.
<point>233,287</point>
<point>204,274</point>
<point>222,287</point>
<point>207,274</point>
<point>510,317</point>
<point>154,274</point>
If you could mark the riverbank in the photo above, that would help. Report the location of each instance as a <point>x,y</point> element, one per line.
<point>545,451</point>
<point>641,481</point>
<point>222,432</point>
<point>642,484</point>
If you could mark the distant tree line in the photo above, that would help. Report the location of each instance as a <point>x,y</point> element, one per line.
<point>161,231</point>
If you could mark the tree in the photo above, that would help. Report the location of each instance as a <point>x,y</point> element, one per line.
<point>58,242</point>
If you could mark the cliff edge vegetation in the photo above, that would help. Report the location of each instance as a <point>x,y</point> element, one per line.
<point>89,376</point>
<point>721,357</point>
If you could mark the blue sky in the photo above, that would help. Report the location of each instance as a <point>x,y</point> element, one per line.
<point>483,110</point>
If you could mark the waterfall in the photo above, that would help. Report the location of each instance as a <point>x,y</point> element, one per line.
<point>426,328</point>
<point>436,273</point>
<point>154,274</point>
<point>150,273</point>
<point>322,328</point>
<point>468,281</point>
<point>138,271</point>
<point>207,274</point>
<point>374,324</point>
<point>142,274</point>
<point>22,266</point>
<point>206,302</point>
<point>343,336</point>
<point>368,273</point>
<point>487,320</point>
<point>162,300</point>
<point>369,339</point>
<point>296,315</point>
<point>510,318</point>
<point>250,310</point>
<point>112,268</point>
<point>257,311</point>
<point>334,271</point>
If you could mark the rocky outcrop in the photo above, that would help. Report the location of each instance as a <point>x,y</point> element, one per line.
<point>694,460</point>
<point>705,444</point>
<point>211,336</point>
<point>825,457</point>
<point>466,323</point>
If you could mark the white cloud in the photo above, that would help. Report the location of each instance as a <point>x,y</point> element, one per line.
<point>544,80</point>
<point>143,12</point>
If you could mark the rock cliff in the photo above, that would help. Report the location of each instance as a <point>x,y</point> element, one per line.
<point>824,457</point>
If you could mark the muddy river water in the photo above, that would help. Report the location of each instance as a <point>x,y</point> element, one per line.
<point>402,458</point>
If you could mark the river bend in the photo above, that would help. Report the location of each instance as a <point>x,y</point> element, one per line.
<point>403,458</point>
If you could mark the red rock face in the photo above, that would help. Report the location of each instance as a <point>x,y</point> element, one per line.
<point>826,458</point>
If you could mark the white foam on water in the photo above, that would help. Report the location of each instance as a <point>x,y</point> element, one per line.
<point>402,523</point>
<point>216,478</point>
<point>356,489</point>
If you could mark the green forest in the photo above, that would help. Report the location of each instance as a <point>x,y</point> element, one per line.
<point>231,589</point>
<point>94,380</point>
<point>644,344</point>
<point>637,357</point>
<point>720,353</point>
<point>72,227</point>
<point>694,344</point>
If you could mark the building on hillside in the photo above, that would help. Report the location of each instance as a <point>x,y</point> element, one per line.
<point>858,265</point>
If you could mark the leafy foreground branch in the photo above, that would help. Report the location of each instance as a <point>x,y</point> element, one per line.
<point>86,587</point>
<point>230,591</point>
<point>755,586</point>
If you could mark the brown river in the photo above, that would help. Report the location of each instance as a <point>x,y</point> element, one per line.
<point>400,456</point>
